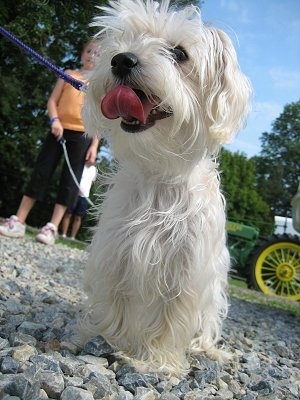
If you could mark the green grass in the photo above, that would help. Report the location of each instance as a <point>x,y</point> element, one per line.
<point>74,244</point>
<point>237,282</point>
<point>253,296</point>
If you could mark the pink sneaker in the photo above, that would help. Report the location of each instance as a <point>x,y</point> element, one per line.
<point>12,227</point>
<point>48,234</point>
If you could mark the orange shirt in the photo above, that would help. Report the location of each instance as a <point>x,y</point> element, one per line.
<point>70,105</point>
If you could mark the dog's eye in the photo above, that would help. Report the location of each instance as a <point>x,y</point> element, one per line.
<point>179,54</point>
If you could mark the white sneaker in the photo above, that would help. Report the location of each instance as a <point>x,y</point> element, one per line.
<point>47,235</point>
<point>12,227</point>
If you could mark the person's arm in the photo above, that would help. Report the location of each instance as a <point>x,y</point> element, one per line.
<point>92,151</point>
<point>56,126</point>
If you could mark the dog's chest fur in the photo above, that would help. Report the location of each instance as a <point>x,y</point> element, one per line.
<point>154,224</point>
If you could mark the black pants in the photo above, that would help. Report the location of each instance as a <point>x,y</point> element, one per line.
<point>48,159</point>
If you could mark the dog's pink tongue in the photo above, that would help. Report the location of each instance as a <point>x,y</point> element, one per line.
<point>122,101</point>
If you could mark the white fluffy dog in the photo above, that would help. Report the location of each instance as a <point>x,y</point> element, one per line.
<point>169,92</point>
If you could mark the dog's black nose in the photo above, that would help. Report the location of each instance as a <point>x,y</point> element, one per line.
<point>123,63</point>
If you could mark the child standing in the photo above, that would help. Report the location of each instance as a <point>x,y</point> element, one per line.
<point>64,108</point>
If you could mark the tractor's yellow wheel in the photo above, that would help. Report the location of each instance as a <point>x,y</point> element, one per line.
<point>275,267</point>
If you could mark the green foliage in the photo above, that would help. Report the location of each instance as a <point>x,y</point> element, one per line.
<point>259,188</point>
<point>278,166</point>
<point>56,30</point>
<point>244,204</point>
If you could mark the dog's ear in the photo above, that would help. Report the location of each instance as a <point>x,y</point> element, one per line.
<point>228,91</point>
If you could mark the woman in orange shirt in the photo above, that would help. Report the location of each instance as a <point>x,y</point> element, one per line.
<point>64,109</point>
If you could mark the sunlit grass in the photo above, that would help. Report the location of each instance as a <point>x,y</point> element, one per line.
<point>237,282</point>
<point>253,296</point>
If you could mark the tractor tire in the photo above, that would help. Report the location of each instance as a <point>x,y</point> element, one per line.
<point>273,266</point>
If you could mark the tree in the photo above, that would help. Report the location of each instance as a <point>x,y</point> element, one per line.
<point>244,203</point>
<point>56,30</point>
<point>278,166</point>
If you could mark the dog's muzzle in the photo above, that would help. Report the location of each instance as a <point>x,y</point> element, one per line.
<point>137,110</point>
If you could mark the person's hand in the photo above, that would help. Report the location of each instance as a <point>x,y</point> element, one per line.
<point>57,129</point>
<point>91,155</point>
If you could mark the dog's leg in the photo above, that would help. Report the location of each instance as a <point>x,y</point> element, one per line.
<point>214,307</point>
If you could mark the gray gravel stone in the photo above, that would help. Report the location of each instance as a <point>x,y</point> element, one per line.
<point>40,298</point>
<point>74,393</point>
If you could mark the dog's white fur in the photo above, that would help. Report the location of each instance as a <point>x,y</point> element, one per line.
<point>157,271</point>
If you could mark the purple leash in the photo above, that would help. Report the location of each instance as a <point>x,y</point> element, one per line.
<point>79,85</point>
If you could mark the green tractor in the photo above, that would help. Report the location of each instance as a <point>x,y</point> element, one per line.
<point>270,265</point>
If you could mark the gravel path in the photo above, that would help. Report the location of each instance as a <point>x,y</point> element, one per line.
<point>40,296</point>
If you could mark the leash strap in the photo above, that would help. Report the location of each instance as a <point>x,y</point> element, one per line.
<point>79,85</point>
<point>62,141</point>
